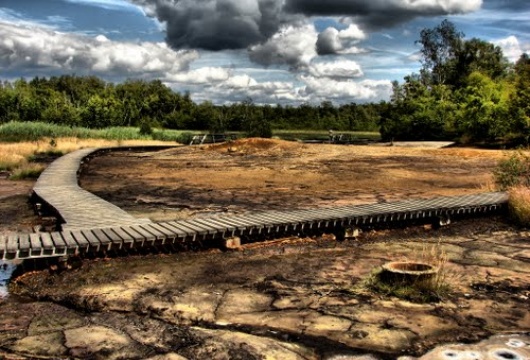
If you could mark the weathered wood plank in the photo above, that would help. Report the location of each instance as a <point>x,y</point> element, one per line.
<point>82,241</point>
<point>11,247</point>
<point>144,235</point>
<point>47,242</point>
<point>126,238</point>
<point>36,244</point>
<point>3,246</point>
<point>93,241</point>
<point>114,238</point>
<point>24,246</point>
<point>101,236</point>
<point>180,233</point>
<point>58,240</point>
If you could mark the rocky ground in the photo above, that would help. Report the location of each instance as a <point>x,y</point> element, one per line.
<point>290,298</point>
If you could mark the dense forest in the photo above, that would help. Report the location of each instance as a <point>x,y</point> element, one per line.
<point>465,90</point>
<point>93,103</point>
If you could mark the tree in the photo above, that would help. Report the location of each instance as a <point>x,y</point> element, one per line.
<point>440,46</point>
<point>520,101</point>
<point>483,113</point>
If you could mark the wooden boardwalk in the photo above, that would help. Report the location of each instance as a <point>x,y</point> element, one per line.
<point>93,225</point>
<point>58,188</point>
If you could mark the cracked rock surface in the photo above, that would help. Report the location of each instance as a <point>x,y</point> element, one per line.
<point>294,299</point>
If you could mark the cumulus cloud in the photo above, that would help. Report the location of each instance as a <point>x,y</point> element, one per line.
<point>336,69</point>
<point>238,24</point>
<point>292,45</point>
<point>333,41</point>
<point>511,47</point>
<point>205,75</point>
<point>217,24</point>
<point>319,89</point>
<point>36,48</point>
<point>240,87</point>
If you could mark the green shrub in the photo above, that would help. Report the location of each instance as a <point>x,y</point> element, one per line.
<point>185,138</point>
<point>27,172</point>
<point>513,171</point>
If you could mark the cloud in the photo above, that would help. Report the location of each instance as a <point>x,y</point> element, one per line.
<point>205,75</point>
<point>293,46</point>
<point>238,24</point>
<point>336,69</point>
<point>511,47</point>
<point>239,87</point>
<point>217,24</point>
<point>319,89</point>
<point>333,41</point>
<point>381,13</point>
<point>107,4</point>
<point>40,50</point>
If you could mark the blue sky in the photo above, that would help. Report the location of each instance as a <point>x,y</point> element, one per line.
<point>274,51</point>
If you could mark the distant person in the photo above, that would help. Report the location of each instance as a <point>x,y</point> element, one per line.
<point>331,136</point>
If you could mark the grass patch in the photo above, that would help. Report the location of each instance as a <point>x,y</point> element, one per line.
<point>433,289</point>
<point>16,158</point>
<point>28,171</point>
<point>519,205</point>
<point>513,171</point>
<point>37,131</point>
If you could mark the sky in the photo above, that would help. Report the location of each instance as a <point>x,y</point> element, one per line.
<point>285,52</point>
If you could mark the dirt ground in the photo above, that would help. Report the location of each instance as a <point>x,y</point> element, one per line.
<point>287,299</point>
<point>266,174</point>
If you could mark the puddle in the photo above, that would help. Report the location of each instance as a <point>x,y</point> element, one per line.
<point>6,270</point>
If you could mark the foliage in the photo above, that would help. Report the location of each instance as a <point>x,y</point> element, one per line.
<point>464,91</point>
<point>35,131</point>
<point>513,171</point>
<point>92,103</point>
<point>519,205</point>
<point>29,171</point>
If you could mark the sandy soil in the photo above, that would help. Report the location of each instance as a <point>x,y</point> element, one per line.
<point>266,174</point>
<point>288,299</point>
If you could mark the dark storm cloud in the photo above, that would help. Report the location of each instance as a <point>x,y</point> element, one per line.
<point>376,14</point>
<point>238,24</point>
<point>217,24</point>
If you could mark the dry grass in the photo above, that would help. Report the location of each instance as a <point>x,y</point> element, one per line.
<point>519,204</point>
<point>15,157</point>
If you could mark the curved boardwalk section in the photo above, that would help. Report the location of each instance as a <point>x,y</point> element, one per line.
<point>93,225</point>
<point>58,188</point>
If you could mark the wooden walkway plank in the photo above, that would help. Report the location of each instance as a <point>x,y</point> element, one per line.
<point>71,244</point>
<point>82,242</point>
<point>12,246</point>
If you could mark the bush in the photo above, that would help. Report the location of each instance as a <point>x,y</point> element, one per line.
<point>519,205</point>
<point>185,138</point>
<point>514,171</point>
<point>31,171</point>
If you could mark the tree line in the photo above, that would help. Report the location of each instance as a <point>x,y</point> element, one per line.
<point>465,90</point>
<point>91,102</point>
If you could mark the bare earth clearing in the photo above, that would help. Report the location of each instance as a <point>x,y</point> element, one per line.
<point>292,298</point>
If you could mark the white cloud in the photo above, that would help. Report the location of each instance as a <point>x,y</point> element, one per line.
<point>107,4</point>
<point>42,50</point>
<point>319,89</point>
<point>205,75</point>
<point>333,41</point>
<point>292,45</point>
<point>511,47</point>
<point>336,69</point>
